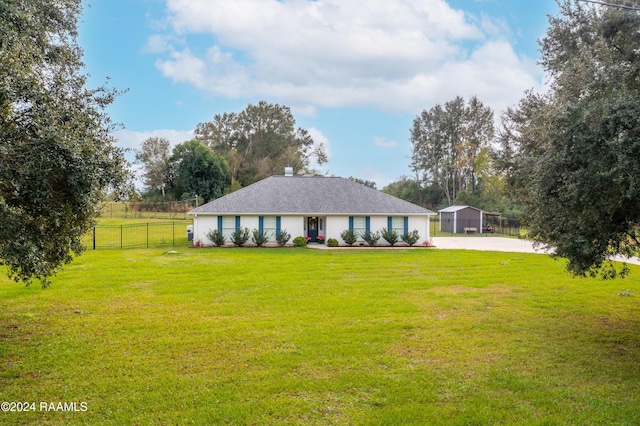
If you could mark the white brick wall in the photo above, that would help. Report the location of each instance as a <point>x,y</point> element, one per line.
<point>295,226</point>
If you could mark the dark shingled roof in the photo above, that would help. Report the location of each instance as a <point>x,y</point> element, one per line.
<point>309,195</point>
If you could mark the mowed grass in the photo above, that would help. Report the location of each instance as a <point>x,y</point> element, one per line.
<point>136,233</point>
<point>301,336</point>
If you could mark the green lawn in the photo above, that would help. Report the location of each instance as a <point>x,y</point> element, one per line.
<point>301,336</point>
<point>136,233</point>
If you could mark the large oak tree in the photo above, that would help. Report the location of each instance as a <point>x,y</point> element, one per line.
<point>578,146</point>
<point>56,153</point>
<point>260,141</point>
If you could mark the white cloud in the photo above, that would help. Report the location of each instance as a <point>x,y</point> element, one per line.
<point>319,138</point>
<point>157,44</point>
<point>384,143</point>
<point>375,175</point>
<point>401,55</point>
<point>130,139</point>
<point>493,27</point>
<point>305,110</point>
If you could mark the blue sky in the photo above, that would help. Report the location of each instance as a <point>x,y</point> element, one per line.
<point>354,72</point>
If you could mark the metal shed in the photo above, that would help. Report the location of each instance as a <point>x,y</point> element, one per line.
<point>461,220</point>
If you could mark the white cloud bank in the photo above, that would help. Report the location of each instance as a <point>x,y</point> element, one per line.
<point>402,55</point>
<point>384,143</point>
<point>132,140</point>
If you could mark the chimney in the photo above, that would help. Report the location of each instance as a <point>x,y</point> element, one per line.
<point>288,171</point>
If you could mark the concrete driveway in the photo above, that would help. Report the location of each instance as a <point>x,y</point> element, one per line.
<point>486,243</point>
<point>500,244</point>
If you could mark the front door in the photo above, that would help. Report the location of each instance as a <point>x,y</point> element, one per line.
<point>312,229</point>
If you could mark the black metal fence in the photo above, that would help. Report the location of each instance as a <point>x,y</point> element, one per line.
<point>143,235</point>
<point>158,234</point>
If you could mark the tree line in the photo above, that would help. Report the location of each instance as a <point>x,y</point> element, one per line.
<point>232,151</point>
<point>451,155</point>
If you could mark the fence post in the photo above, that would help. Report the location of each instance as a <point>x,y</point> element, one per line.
<point>94,237</point>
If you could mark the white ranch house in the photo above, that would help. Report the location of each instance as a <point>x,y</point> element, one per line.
<point>309,206</point>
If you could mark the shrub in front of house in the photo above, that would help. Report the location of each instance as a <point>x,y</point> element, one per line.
<point>299,242</point>
<point>391,236</point>
<point>216,237</point>
<point>282,238</point>
<point>349,237</point>
<point>411,237</point>
<point>332,242</point>
<point>260,238</point>
<point>240,237</point>
<point>371,238</point>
